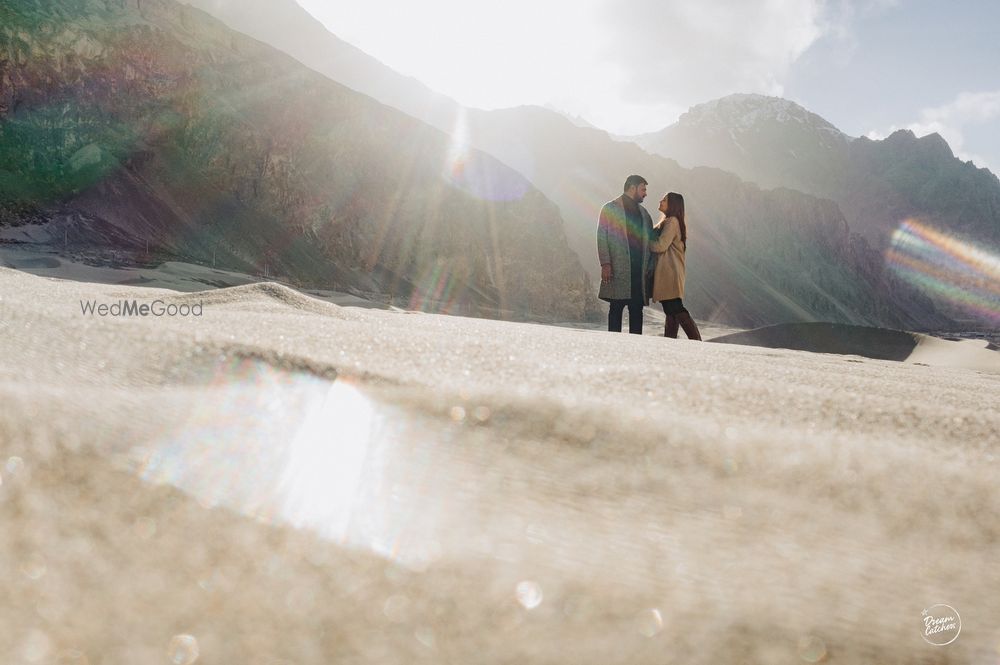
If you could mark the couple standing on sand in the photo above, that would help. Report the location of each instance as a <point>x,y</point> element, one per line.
<point>640,261</point>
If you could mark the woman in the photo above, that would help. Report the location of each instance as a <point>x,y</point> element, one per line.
<point>669,244</point>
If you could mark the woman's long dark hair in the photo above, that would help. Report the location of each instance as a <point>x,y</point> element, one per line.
<point>675,208</point>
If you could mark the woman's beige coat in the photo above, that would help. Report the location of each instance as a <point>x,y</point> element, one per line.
<point>668,277</point>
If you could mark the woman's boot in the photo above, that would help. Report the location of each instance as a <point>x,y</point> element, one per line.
<point>689,326</point>
<point>670,327</point>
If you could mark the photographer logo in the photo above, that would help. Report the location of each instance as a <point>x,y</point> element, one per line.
<point>940,625</point>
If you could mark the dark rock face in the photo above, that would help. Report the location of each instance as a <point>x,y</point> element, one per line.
<point>903,176</point>
<point>155,119</point>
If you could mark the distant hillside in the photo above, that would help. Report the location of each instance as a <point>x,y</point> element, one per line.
<point>755,256</point>
<point>777,143</point>
<point>288,27</point>
<point>127,123</point>
<point>767,140</point>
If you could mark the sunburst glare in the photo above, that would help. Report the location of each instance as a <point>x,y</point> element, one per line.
<point>949,269</point>
<point>293,448</point>
<point>474,172</point>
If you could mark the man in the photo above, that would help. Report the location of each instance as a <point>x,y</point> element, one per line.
<point>623,232</point>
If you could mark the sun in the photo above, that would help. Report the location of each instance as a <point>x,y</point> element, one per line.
<point>483,55</point>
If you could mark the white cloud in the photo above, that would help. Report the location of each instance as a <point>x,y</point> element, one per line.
<point>482,54</point>
<point>672,54</point>
<point>628,66</point>
<point>679,53</point>
<point>838,19</point>
<point>967,107</point>
<point>952,120</point>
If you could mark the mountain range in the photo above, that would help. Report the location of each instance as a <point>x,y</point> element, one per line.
<point>877,184</point>
<point>790,269</point>
<point>339,159</point>
<point>149,123</point>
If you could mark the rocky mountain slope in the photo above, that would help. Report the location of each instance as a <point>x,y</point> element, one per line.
<point>288,27</point>
<point>877,184</point>
<point>147,124</point>
<point>767,140</point>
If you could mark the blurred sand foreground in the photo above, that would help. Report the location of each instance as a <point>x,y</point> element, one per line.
<point>284,480</point>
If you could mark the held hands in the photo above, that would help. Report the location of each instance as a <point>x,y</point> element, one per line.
<point>605,273</point>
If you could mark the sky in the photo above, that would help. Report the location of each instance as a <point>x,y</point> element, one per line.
<point>633,66</point>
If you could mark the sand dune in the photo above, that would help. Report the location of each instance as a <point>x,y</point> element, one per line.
<point>172,275</point>
<point>876,343</point>
<point>286,480</point>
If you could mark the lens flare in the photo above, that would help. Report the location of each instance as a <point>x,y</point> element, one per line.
<point>477,174</point>
<point>291,448</point>
<point>458,149</point>
<point>437,291</point>
<point>952,271</point>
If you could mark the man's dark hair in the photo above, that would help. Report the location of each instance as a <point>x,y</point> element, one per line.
<point>634,181</point>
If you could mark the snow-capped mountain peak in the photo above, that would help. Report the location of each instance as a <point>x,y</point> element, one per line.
<point>742,112</point>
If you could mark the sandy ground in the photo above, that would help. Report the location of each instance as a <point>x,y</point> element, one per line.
<point>172,275</point>
<point>877,343</point>
<point>285,480</point>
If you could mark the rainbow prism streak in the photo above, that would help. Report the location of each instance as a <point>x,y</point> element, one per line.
<point>947,269</point>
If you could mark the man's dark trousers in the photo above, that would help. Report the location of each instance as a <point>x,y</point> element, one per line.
<point>634,316</point>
